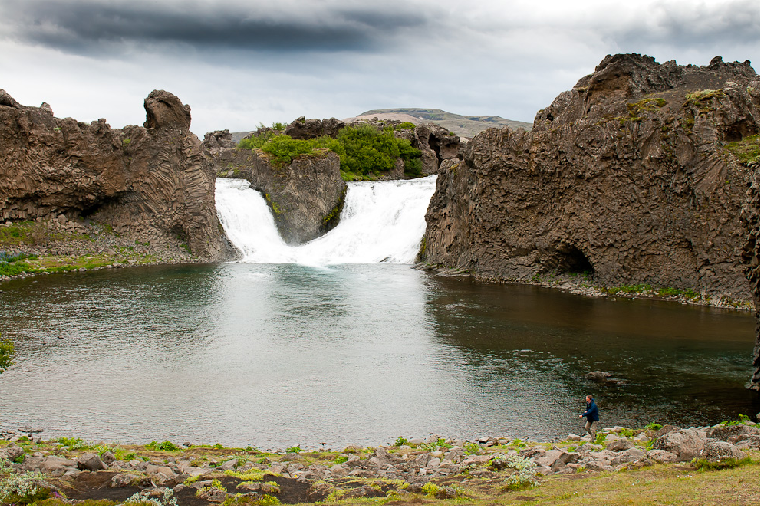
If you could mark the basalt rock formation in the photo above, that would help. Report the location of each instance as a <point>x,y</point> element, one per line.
<point>626,176</point>
<point>751,255</point>
<point>150,183</point>
<point>631,176</point>
<point>305,197</point>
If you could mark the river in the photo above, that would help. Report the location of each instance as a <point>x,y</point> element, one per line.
<point>300,349</point>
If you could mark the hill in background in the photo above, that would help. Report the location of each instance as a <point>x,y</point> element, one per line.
<point>464,126</point>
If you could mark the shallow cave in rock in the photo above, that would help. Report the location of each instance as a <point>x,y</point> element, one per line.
<point>572,260</point>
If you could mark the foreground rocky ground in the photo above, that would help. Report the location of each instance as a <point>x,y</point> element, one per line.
<point>646,466</point>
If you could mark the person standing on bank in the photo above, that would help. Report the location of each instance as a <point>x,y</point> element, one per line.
<point>592,417</point>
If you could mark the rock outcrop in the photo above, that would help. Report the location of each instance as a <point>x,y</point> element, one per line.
<point>305,197</point>
<point>303,128</point>
<point>150,183</point>
<point>628,176</point>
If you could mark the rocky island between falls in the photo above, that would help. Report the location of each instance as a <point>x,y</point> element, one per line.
<point>69,471</point>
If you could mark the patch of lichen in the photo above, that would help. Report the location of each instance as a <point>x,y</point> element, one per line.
<point>701,96</point>
<point>645,105</point>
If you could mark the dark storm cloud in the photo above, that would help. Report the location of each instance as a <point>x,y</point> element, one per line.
<point>694,26</point>
<point>92,26</point>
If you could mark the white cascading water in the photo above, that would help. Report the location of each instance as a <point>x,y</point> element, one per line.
<point>381,221</point>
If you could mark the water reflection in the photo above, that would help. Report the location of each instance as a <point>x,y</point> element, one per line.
<point>281,354</point>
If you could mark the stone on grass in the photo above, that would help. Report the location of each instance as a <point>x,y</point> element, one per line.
<point>620,445</point>
<point>686,444</point>
<point>90,462</point>
<point>630,455</point>
<point>720,450</point>
<point>662,456</point>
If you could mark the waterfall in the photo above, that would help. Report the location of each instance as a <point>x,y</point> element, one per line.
<point>382,221</point>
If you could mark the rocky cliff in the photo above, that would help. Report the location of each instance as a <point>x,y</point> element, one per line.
<point>305,197</point>
<point>627,176</point>
<point>150,183</point>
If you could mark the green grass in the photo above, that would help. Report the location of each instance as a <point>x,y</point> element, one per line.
<point>747,150</point>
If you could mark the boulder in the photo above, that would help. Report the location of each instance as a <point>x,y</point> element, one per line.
<point>727,432</point>
<point>122,480</point>
<point>630,455</point>
<point>662,456</point>
<point>685,444</point>
<point>14,452</point>
<point>90,462</point>
<point>57,466</point>
<point>620,445</point>
<point>108,458</point>
<point>719,450</point>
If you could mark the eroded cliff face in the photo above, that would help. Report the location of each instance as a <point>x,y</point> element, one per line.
<point>151,182</point>
<point>626,176</point>
<point>305,197</point>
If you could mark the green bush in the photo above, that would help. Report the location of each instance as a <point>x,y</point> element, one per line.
<point>166,446</point>
<point>363,150</point>
<point>26,488</point>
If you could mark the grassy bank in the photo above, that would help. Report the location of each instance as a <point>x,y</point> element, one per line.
<point>51,246</point>
<point>493,477</point>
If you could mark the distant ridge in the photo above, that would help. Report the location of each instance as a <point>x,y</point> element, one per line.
<point>465,126</point>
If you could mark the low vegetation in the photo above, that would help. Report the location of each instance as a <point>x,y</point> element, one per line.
<point>94,246</point>
<point>365,151</point>
<point>505,478</point>
<point>746,151</point>
<point>6,353</point>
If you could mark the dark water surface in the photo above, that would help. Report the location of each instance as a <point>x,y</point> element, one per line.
<point>275,355</point>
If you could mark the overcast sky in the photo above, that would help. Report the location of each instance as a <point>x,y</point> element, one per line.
<point>238,63</point>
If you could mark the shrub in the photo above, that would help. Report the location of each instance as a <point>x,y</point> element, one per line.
<point>24,488</point>
<point>166,446</point>
<point>430,489</point>
<point>653,426</point>
<point>401,441</point>
<point>525,477</point>
<point>293,449</point>
<point>363,149</point>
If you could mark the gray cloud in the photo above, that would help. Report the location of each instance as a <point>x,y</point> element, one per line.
<point>92,26</point>
<point>692,26</point>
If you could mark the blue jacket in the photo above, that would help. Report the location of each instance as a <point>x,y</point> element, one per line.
<point>592,412</point>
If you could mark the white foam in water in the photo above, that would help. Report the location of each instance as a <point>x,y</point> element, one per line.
<point>381,222</point>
